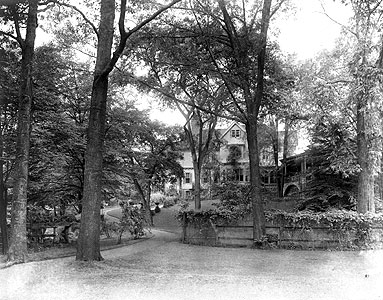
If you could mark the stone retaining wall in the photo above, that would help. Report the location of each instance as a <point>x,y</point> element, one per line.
<point>241,235</point>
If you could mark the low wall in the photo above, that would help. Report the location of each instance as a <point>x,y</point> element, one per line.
<point>316,237</point>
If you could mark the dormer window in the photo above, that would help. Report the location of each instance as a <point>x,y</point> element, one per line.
<point>235,133</point>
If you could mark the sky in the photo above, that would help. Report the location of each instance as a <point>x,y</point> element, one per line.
<point>310,30</point>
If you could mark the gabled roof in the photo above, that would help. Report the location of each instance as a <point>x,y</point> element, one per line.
<point>231,126</point>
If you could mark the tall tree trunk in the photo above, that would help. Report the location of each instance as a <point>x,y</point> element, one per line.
<point>196,158</point>
<point>89,238</point>
<point>285,152</point>
<point>259,230</point>
<point>3,199</point>
<point>366,195</point>
<point>88,248</point>
<point>17,252</point>
<point>148,212</point>
<point>145,201</point>
<point>366,83</point>
<point>276,158</point>
<point>197,184</point>
<point>255,183</point>
<point>3,213</point>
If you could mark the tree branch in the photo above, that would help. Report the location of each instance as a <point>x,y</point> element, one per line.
<point>332,19</point>
<point>9,35</point>
<point>126,35</point>
<point>80,12</point>
<point>186,103</point>
<point>19,38</point>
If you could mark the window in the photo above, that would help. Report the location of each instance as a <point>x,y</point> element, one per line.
<point>235,133</point>
<point>239,174</point>
<point>265,156</point>
<point>205,178</point>
<point>235,152</point>
<point>247,177</point>
<point>187,177</point>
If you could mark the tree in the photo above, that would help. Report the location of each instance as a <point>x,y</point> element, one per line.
<point>180,73</point>
<point>367,71</point>
<point>8,101</point>
<point>280,107</point>
<point>333,166</point>
<point>17,251</point>
<point>153,160</point>
<point>364,64</point>
<point>58,130</point>
<point>88,243</point>
<point>242,64</point>
<point>142,152</point>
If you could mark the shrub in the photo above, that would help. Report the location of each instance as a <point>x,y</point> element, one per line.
<point>132,220</point>
<point>353,229</point>
<point>340,221</point>
<point>157,198</point>
<point>234,204</point>
<point>170,201</point>
<point>37,214</point>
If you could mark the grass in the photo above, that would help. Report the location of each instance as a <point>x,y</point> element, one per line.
<point>165,220</point>
<point>41,252</point>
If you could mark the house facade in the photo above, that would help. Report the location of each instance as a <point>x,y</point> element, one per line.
<point>229,162</point>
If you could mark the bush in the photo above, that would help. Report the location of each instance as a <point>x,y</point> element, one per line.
<point>340,221</point>
<point>37,214</point>
<point>235,200</point>
<point>157,198</point>
<point>170,201</point>
<point>132,220</point>
<point>234,205</point>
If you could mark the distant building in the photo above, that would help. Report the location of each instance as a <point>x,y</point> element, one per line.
<point>230,161</point>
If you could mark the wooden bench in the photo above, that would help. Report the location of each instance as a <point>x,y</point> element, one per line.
<point>37,232</point>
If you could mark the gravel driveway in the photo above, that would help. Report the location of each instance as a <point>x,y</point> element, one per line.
<point>163,268</point>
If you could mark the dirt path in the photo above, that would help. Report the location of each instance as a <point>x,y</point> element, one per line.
<point>164,220</point>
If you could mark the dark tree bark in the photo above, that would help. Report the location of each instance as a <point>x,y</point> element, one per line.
<point>253,100</point>
<point>197,183</point>
<point>3,198</point>
<point>284,155</point>
<point>366,195</point>
<point>88,248</point>
<point>367,15</point>
<point>3,212</point>
<point>148,212</point>
<point>17,252</point>
<point>275,140</point>
<point>253,106</point>
<point>89,239</point>
<point>145,200</point>
<point>199,146</point>
<point>255,182</point>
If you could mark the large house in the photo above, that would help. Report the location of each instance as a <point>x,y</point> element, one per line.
<point>230,161</point>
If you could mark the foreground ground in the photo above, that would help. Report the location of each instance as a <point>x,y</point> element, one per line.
<point>161,267</point>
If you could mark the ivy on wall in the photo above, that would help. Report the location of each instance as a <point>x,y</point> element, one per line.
<point>352,229</point>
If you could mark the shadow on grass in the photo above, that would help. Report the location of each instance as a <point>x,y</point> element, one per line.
<point>67,250</point>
